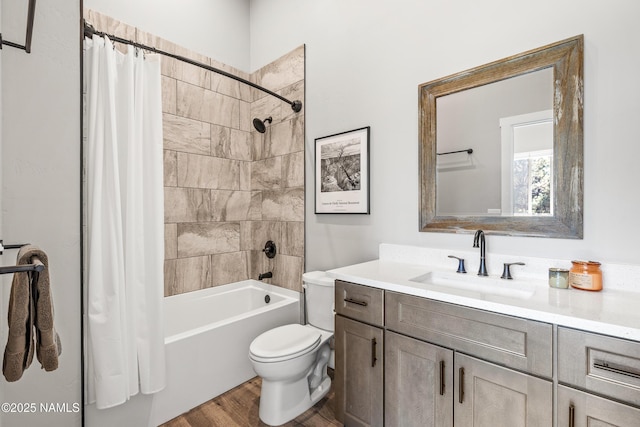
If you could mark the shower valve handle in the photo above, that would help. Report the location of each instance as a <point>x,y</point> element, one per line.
<point>269,249</point>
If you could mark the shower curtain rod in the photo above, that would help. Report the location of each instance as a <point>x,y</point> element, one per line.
<point>89,31</point>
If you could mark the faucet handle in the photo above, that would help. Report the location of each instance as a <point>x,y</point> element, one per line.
<point>460,264</point>
<point>506,272</point>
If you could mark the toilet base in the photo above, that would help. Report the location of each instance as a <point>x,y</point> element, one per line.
<point>281,402</point>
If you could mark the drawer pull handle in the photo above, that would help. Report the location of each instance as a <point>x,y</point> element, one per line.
<point>355,301</point>
<point>572,416</point>
<point>461,385</point>
<point>442,378</point>
<point>616,369</point>
<point>373,352</point>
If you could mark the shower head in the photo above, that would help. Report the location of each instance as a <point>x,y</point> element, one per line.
<point>260,124</point>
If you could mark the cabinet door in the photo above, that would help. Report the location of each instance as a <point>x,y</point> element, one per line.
<point>359,373</point>
<point>489,395</point>
<point>418,383</point>
<point>579,409</point>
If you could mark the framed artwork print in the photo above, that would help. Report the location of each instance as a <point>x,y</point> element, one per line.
<point>342,173</point>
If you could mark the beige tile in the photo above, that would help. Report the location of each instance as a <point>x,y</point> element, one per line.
<point>255,209</point>
<point>240,145</point>
<point>171,277</point>
<point>186,205</point>
<point>246,235</point>
<point>230,143</point>
<point>223,84</point>
<point>187,274</point>
<point>208,172</point>
<point>257,264</point>
<point>292,240</point>
<point>168,95</point>
<point>231,205</point>
<point>266,174</point>
<point>294,92</point>
<point>286,138</point>
<point>208,238</point>
<point>293,170</point>
<point>174,68</point>
<point>170,241</point>
<point>267,106</point>
<point>170,168</point>
<point>245,176</point>
<point>229,86</point>
<point>186,135</point>
<point>201,104</point>
<point>246,121</point>
<point>220,140</point>
<point>245,90</point>
<point>283,71</point>
<point>192,74</point>
<point>283,205</point>
<point>257,145</point>
<point>263,231</point>
<point>287,272</point>
<point>229,268</point>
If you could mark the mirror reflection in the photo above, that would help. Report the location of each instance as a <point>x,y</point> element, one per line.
<point>509,127</point>
<point>501,146</point>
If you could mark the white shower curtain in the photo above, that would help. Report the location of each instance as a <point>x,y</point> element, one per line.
<point>125,233</point>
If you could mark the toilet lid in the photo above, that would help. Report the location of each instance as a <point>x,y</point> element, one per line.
<point>283,341</point>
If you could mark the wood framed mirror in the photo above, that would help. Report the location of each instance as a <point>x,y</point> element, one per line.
<point>501,146</point>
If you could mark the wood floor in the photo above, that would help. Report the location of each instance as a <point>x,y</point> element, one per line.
<point>239,408</point>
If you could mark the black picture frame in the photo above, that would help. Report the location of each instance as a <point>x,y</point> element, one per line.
<point>342,172</point>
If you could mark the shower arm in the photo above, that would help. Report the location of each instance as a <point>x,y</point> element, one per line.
<point>89,31</point>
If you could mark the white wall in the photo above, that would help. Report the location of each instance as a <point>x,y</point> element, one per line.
<point>365,60</point>
<point>41,187</point>
<point>215,28</point>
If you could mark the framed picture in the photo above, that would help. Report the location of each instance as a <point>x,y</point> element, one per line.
<point>342,173</point>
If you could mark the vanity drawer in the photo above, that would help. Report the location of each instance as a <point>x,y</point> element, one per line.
<point>360,302</point>
<point>599,363</point>
<point>518,343</point>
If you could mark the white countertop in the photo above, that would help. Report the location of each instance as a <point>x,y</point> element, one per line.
<point>611,311</point>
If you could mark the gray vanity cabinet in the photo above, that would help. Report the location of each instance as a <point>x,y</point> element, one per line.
<point>444,364</point>
<point>481,393</point>
<point>418,383</point>
<point>600,364</point>
<point>489,395</point>
<point>359,345</point>
<point>579,409</point>
<point>425,385</point>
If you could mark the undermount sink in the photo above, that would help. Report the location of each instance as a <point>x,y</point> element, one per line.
<point>484,285</point>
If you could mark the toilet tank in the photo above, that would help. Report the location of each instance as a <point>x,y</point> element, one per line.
<point>319,290</point>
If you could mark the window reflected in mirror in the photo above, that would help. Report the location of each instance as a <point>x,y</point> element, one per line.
<point>501,146</point>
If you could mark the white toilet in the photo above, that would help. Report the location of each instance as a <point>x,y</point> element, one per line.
<point>292,359</point>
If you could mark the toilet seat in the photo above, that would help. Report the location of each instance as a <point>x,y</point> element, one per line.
<point>284,343</point>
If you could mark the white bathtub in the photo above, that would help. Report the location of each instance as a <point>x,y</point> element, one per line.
<point>207,338</point>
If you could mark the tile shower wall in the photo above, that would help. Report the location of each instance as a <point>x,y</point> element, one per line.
<point>228,188</point>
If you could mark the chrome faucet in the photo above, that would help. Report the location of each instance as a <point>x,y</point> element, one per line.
<point>479,239</point>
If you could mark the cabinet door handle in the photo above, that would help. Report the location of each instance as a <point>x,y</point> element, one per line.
<point>572,415</point>
<point>616,369</point>
<point>461,385</point>
<point>442,378</point>
<point>355,301</point>
<point>373,352</point>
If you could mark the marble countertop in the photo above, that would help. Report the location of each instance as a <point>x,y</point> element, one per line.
<point>610,312</point>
